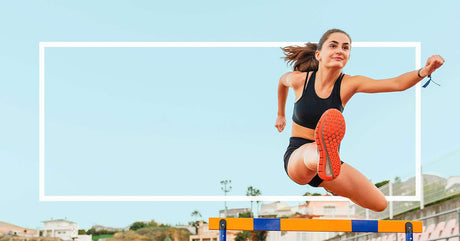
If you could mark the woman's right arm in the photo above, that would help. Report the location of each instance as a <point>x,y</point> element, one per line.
<point>283,90</point>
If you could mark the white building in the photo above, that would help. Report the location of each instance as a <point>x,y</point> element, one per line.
<point>276,209</point>
<point>234,212</point>
<point>63,229</point>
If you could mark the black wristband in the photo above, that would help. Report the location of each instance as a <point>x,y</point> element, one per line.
<point>418,73</point>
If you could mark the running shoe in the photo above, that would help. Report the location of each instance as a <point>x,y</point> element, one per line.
<point>328,134</point>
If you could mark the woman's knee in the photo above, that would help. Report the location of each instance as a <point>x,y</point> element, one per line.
<point>300,174</point>
<point>310,157</point>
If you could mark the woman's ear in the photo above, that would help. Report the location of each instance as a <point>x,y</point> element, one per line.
<point>317,55</point>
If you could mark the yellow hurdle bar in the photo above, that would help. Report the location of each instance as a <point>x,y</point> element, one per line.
<point>316,225</point>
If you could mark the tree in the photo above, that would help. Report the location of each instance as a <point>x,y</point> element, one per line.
<point>242,236</point>
<point>252,191</point>
<point>382,183</point>
<point>251,236</point>
<point>196,215</point>
<point>226,189</point>
<point>91,231</point>
<point>245,215</point>
<point>152,224</point>
<point>137,225</point>
<point>311,194</point>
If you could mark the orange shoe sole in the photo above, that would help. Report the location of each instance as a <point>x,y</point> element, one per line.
<point>328,134</point>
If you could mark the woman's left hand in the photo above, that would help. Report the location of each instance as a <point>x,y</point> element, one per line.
<point>432,64</point>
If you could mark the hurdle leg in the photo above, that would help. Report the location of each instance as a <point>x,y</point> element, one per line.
<point>222,230</point>
<point>409,232</point>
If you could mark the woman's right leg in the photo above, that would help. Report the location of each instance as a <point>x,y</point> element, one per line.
<point>303,163</point>
<point>351,183</point>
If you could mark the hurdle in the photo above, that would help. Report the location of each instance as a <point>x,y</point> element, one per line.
<point>314,225</point>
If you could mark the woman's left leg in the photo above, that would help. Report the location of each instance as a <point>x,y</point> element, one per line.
<point>354,185</point>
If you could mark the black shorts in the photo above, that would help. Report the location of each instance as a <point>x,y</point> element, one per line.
<point>294,143</point>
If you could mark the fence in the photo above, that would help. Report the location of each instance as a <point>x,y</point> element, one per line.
<point>434,189</point>
<point>441,226</point>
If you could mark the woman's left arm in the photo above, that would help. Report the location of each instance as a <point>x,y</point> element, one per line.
<point>400,83</point>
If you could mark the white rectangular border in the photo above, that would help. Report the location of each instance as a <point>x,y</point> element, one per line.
<point>42,197</point>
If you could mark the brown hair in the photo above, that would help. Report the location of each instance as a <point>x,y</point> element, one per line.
<point>303,57</point>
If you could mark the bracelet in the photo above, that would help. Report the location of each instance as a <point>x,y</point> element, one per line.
<point>418,73</point>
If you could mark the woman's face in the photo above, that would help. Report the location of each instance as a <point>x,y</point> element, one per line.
<point>335,51</point>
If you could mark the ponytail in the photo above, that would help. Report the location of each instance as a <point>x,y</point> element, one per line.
<point>302,57</point>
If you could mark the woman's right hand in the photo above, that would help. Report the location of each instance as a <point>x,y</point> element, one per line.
<point>280,123</point>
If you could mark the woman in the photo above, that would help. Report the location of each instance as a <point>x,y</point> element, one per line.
<point>321,91</point>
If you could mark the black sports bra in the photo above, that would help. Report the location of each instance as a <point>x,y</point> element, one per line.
<point>310,107</point>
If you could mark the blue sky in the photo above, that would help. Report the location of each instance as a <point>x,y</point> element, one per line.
<point>151,121</point>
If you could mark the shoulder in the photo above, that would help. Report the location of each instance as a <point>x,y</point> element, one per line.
<point>360,83</point>
<point>294,79</point>
<point>355,80</point>
<point>350,86</point>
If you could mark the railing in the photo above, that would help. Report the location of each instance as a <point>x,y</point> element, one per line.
<point>457,210</point>
<point>434,189</point>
